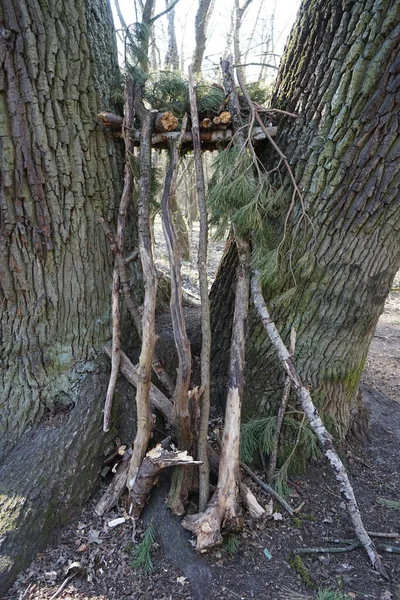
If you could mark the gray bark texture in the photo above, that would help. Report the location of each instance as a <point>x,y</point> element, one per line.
<point>59,171</point>
<point>340,74</point>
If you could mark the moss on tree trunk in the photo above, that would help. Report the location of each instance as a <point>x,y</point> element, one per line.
<point>339,74</point>
<point>59,172</point>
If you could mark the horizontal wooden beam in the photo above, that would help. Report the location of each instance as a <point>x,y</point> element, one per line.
<point>209,139</point>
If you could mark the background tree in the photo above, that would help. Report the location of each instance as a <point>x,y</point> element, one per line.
<point>202,18</point>
<point>326,275</point>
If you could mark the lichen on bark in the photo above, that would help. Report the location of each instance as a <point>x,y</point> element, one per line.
<point>337,266</point>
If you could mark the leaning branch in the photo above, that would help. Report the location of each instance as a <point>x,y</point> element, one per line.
<point>317,425</point>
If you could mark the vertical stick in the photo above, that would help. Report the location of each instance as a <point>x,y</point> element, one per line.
<point>144,416</point>
<point>179,486</point>
<point>126,198</point>
<point>281,415</point>
<point>116,351</point>
<point>204,473</point>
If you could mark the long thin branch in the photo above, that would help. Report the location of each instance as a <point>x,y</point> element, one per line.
<point>204,474</point>
<point>281,415</point>
<point>268,489</point>
<point>164,12</point>
<point>144,417</point>
<point>116,351</point>
<point>126,199</point>
<point>317,425</point>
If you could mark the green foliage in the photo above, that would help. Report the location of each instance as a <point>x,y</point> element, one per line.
<point>210,99</point>
<point>167,91</point>
<point>258,92</point>
<point>389,503</point>
<point>142,555</point>
<point>298,565</point>
<point>231,544</point>
<point>298,443</point>
<point>326,594</point>
<point>256,435</point>
<point>239,196</point>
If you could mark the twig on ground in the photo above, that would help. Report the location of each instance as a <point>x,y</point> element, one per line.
<point>268,489</point>
<point>349,544</point>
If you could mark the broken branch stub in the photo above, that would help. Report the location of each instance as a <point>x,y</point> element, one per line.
<point>155,461</point>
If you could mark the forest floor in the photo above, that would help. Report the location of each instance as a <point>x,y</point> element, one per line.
<point>257,564</point>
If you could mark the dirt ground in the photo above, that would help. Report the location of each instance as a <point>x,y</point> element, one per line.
<point>260,565</point>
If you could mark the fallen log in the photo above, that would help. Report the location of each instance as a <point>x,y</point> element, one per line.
<point>225,117</point>
<point>163,122</point>
<point>209,139</point>
<point>110,120</point>
<point>206,123</point>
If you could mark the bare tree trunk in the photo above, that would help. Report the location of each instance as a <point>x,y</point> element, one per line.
<point>172,56</point>
<point>343,152</point>
<point>58,172</point>
<point>237,53</point>
<point>202,17</point>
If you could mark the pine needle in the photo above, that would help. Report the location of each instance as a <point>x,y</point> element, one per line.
<point>142,555</point>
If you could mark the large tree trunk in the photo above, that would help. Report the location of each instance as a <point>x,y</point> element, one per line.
<point>59,172</point>
<point>340,74</point>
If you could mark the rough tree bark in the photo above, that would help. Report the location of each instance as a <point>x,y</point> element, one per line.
<point>172,56</point>
<point>59,171</point>
<point>202,17</point>
<point>340,74</point>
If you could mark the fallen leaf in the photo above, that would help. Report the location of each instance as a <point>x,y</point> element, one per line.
<point>94,536</point>
<point>83,548</point>
<point>277,516</point>
<point>182,580</point>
